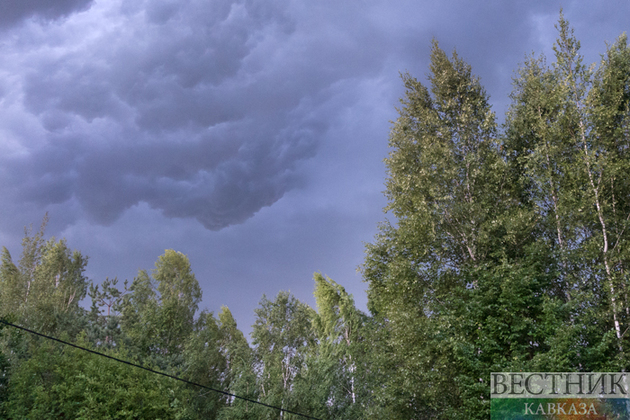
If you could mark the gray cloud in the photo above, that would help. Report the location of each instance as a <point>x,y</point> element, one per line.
<point>200,109</point>
<point>208,109</point>
<point>16,11</point>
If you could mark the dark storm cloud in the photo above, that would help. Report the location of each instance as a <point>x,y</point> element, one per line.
<point>15,11</point>
<point>201,109</point>
<point>208,109</point>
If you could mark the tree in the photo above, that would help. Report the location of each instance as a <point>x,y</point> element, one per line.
<point>153,321</point>
<point>158,312</point>
<point>44,290</point>
<point>607,163</point>
<point>457,284</point>
<point>139,320</point>
<point>62,382</point>
<point>241,377</point>
<point>281,335</point>
<point>446,189</point>
<point>335,383</point>
<point>104,328</point>
<point>509,250</point>
<point>566,141</point>
<point>206,364</point>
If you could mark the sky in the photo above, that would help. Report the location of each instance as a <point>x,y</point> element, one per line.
<point>248,135</point>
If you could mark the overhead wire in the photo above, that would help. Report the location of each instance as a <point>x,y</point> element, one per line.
<point>156,371</point>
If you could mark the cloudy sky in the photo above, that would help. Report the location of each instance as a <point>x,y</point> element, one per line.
<point>249,135</point>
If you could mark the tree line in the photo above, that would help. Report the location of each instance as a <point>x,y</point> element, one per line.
<point>299,359</point>
<point>506,249</point>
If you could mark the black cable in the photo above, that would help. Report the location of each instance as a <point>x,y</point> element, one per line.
<point>154,371</point>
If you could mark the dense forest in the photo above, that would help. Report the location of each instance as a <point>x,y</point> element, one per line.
<point>505,249</point>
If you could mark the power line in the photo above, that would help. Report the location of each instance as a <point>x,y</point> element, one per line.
<point>154,371</point>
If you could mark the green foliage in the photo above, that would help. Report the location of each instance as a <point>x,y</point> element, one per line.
<point>44,290</point>
<point>566,141</point>
<point>159,321</point>
<point>335,383</point>
<point>240,378</point>
<point>180,295</point>
<point>158,312</point>
<point>153,322</point>
<point>508,251</point>
<point>446,189</point>
<point>206,364</point>
<point>62,382</point>
<point>104,326</point>
<point>282,335</point>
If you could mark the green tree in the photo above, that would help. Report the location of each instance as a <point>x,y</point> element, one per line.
<point>44,290</point>
<point>445,188</point>
<point>205,364</point>
<point>508,251</point>
<point>158,312</point>
<point>62,382</point>
<point>335,383</point>
<point>566,142</point>
<point>159,321</point>
<point>140,316</point>
<point>457,284</point>
<point>104,316</point>
<point>180,295</point>
<point>153,321</point>
<point>607,163</point>
<point>241,376</point>
<point>281,335</point>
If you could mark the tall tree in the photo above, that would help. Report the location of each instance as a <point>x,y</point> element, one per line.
<point>566,140</point>
<point>43,291</point>
<point>452,284</point>
<point>158,313</point>
<point>104,326</point>
<point>336,381</point>
<point>180,295</point>
<point>603,144</point>
<point>241,375</point>
<point>206,364</point>
<point>444,188</point>
<point>281,335</point>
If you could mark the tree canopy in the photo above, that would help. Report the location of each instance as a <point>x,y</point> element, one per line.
<point>508,251</point>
